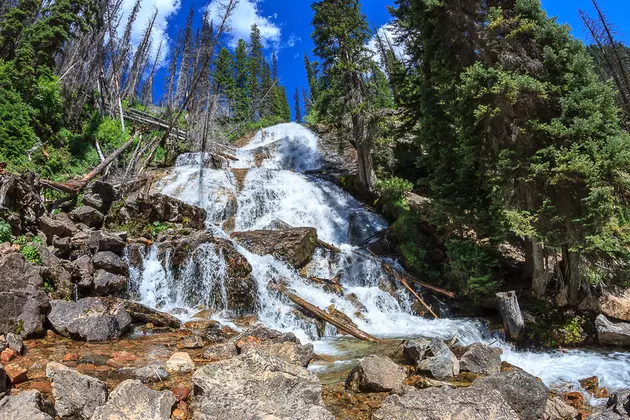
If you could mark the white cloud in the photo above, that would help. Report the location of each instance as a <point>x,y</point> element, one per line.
<point>386,32</point>
<point>166,9</point>
<point>247,13</point>
<point>293,39</point>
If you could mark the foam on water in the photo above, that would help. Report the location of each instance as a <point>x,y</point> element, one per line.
<point>276,188</point>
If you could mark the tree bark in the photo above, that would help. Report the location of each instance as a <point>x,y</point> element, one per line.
<point>511,315</point>
<point>540,276</point>
<point>572,273</point>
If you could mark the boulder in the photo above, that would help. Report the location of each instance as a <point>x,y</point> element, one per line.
<point>439,361</point>
<point>146,315</point>
<point>60,226</point>
<point>617,407</point>
<point>95,201</point>
<point>192,342</point>
<point>375,374</point>
<point>106,283</point>
<point>110,262</point>
<point>209,328</point>
<point>479,358</point>
<point>414,350</point>
<point>220,351</point>
<point>154,372</point>
<point>15,343</point>
<point>76,395</point>
<point>23,303</point>
<point>446,404</point>
<point>101,192</point>
<point>526,394</point>
<point>89,216</point>
<point>20,201</point>
<point>557,409</point>
<point>300,354</point>
<point>89,319</point>
<point>257,385</point>
<point>294,246</point>
<point>616,304</point>
<point>608,332</point>
<point>25,405</point>
<point>106,241</point>
<point>180,362</point>
<point>131,400</point>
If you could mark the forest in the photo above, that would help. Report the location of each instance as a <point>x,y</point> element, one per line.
<point>512,132</point>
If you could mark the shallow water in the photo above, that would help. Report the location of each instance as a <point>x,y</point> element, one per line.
<point>278,189</point>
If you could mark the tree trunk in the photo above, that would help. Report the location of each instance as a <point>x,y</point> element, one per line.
<point>572,274</point>
<point>540,276</point>
<point>511,315</point>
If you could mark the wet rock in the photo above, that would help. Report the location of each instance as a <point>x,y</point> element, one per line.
<point>608,332</point>
<point>524,393</point>
<point>61,227</point>
<point>106,283</point>
<point>89,216</point>
<point>154,372</point>
<point>446,404</point>
<point>616,304</point>
<point>414,350</point>
<point>106,241</point>
<point>300,354</point>
<point>23,303</point>
<point>76,395</point>
<point>557,409</point>
<point>134,401</point>
<point>220,351</point>
<point>375,374</point>
<point>25,405</point>
<point>617,407</point>
<point>591,385</point>
<point>192,342</point>
<point>263,335</point>
<point>89,319</point>
<point>110,262</point>
<point>208,328</point>
<point>482,359</point>
<point>20,201</point>
<point>439,361</point>
<point>294,246</point>
<point>180,362</point>
<point>146,315</point>
<point>257,385</point>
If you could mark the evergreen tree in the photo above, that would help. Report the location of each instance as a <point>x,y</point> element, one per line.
<point>311,76</point>
<point>298,112</point>
<point>267,85</point>
<point>255,69</point>
<point>274,66</point>
<point>241,69</point>
<point>224,79</point>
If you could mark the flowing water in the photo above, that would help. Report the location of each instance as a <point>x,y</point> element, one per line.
<point>276,188</point>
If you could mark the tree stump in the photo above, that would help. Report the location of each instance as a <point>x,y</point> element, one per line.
<point>511,315</point>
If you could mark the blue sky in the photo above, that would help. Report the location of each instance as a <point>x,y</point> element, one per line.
<point>286,28</point>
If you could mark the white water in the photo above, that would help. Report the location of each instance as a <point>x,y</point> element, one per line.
<point>279,190</point>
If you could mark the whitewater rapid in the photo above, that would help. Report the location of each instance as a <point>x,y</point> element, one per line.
<point>276,188</point>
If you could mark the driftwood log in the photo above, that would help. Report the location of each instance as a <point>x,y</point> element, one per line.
<point>325,316</point>
<point>511,315</point>
<point>413,292</point>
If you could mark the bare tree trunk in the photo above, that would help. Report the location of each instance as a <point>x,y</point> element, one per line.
<point>540,276</point>
<point>572,274</point>
<point>511,315</point>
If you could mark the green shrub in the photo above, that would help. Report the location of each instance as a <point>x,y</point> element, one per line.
<point>471,267</point>
<point>31,254</point>
<point>392,194</point>
<point>5,231</point>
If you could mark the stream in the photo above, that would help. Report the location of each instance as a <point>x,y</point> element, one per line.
<point>276,188</point>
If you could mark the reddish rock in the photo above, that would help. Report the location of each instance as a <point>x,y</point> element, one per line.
<point>41,386</point>
<point>16,374</point>
<point>182,412</point>
<point>591,385</point>
<point>124,356</point>
<point>71,357</point>
<point>7,355</point>
<point>181,391</point>
<point>574,399</point>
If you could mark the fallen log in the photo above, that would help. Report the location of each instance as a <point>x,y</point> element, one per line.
<point>77,185</point>
<point>324,316</point>
<point>413,292</point>
<point>328,246</point>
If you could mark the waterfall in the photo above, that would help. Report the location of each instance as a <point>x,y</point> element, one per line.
<point>276,188</point>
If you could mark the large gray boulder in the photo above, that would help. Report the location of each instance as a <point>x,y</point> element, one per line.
<point>60,226</point>
<point>612,333</point>
<point>616,304</point>
<point>89,319</point>
<point>144,314</point>
<point>110,262</point>
<point>21,204</point>
<point>23,303</point>
<point>25,405</point>
<point>480,358</point>
<point>375,374</point>
<point>617,407</point>
<point>446,404</point>
<point>300,354</point>
<point>294,246</point>
<point>524,393</point>
<point>557,409</point>
<point>106,241</point>
<point>414,350</point>
<point>106,283</point>
<point>131,400</point>
<point>76,395</point>
<point>439,361</point>
<point>89,216</point>
<point>255,385</point>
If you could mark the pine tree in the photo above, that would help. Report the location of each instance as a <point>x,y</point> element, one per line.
<point>311,76</point>
<point>241,69</point>
<point>255,69</point>
<point>298,112</point>
<point>267,85</point>
<point>306,100</point>
<point>274,66</point>
<point>224,79</point>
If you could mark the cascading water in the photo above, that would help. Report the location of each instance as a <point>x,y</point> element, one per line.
<point>276,188</point>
